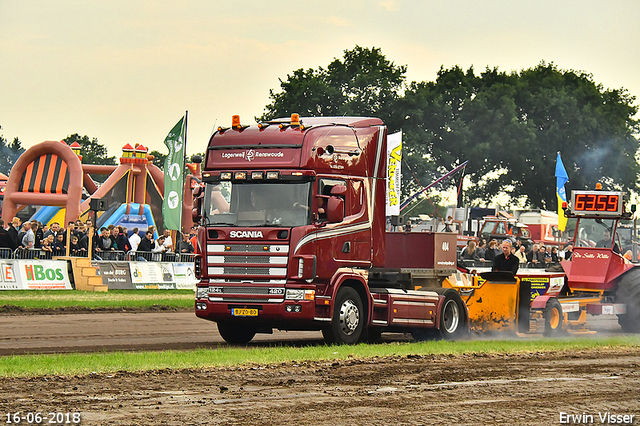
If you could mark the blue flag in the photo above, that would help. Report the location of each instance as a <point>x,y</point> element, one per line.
<point>561,179</point>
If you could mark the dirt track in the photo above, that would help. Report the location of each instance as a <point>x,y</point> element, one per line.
<point>527,389</point>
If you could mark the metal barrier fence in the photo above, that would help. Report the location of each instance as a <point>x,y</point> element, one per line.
<point>116,255</point>
<point>113,255</point>
<point>488,264</point>
<point>147,256</point>
<point>21,253</point>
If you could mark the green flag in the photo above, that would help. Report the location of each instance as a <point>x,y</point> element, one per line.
<point>173,171</point>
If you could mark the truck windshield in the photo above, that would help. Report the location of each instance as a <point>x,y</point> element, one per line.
<point>258,204</point>
<point>595,232</point>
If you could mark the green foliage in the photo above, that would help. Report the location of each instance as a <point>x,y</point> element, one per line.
<point>158,158</point>
<point>363,83</point>
<point>511,125</point>
<point>508,125</point>
<point>92,151</point>
<point>9,153</point>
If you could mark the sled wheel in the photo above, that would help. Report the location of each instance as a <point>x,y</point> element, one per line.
<point>453,319</point>
<point>553,318</point>
<point>629,293</point>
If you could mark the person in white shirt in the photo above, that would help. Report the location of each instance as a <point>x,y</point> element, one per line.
<point>168,244</point>
<point>134,239</point>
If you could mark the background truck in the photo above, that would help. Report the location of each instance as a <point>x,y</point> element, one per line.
<point>293,237</point>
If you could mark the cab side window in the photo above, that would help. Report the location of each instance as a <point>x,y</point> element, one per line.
<point>325,185</point>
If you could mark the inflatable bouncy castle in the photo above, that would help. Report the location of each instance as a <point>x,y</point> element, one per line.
<point>51,175</point>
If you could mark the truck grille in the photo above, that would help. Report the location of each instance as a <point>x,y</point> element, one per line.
<point>248,265</point>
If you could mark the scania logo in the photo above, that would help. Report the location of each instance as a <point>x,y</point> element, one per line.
<point>246,234</point>
<point>445,246</point>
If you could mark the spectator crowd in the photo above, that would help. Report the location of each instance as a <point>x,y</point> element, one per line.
<point>538,256</point>
<point>34,236</point>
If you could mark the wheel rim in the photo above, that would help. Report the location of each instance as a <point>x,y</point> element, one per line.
<point>554,318</point>
<point>450,316</point>
<point>349,317</point>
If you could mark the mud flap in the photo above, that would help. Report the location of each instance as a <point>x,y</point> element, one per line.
<point>524,306</point>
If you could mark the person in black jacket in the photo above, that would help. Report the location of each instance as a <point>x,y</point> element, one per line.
<point>506,261</point>
<point>145,246</point>
<point>14,230</point>
<point>6,240</point>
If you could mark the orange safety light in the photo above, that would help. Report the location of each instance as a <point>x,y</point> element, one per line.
<point>235,121</point>
<point>295,119</point>
<point>598,186</point>
<point>564,204</point>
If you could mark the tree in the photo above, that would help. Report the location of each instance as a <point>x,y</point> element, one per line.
<point>510,127</point>
<point>92,151</point>
<point>158,158</point>
<point>9,153</point>
<point>364,83</point>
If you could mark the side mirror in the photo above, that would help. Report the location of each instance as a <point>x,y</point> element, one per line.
<point>335,209</point>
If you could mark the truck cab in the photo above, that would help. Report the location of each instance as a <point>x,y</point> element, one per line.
<point>293,235</point>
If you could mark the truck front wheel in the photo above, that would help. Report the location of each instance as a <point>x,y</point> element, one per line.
<point>629,293</point>
<point>236,334</point>
<point>348,318</point>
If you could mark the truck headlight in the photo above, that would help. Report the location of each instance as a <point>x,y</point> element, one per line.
<point>299,294</point>
<point>202,292</point>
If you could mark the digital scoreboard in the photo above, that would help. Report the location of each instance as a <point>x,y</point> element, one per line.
<point>596,203</point>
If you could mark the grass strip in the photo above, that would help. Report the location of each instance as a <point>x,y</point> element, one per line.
<point>51,299</point>
<point>72,364</point>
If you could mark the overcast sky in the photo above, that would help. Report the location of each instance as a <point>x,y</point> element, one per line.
<point>125,71</point>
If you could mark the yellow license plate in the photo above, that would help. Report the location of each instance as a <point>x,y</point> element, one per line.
<point>237,312</point>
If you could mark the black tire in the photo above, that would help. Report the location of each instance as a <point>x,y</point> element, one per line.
<point>348,318</point>
<point>235,333</point>
<point>453,319</point>
<point>629,293</point>
<point>553,318</point>
<point>373,335</point>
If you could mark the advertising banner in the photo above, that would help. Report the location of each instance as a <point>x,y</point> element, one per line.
<point>34,275</point>
<point>394,173</point>
<point>173,176</point>
<point>116,275</point>
<point>152,275</point>
<point>184,275</point>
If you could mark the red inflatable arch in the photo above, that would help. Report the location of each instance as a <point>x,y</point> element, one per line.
<point>49,173</point>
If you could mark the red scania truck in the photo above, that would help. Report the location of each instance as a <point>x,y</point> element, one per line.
<point>293,237</point>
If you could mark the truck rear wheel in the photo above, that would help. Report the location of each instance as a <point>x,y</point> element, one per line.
<point>235,333</point>
<point>348,318</point>
<point>453,319</point>
<point>553,318</point>
<point>629,293</point>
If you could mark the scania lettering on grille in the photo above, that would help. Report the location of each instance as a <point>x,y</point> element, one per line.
<point>246,234</point>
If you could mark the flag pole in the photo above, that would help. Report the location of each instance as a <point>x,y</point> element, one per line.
<point>184,162</point>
